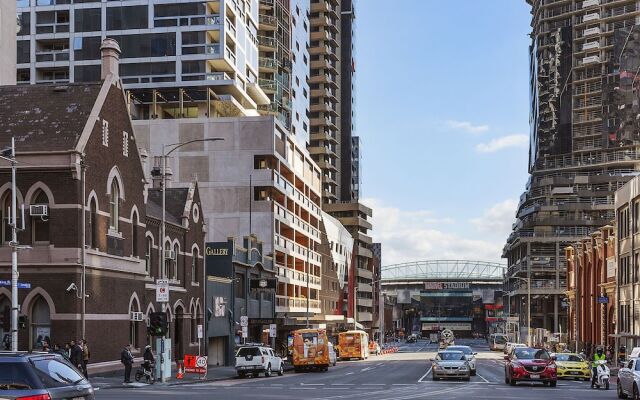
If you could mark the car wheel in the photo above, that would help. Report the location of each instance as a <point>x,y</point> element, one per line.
<point>281,370</point>
<point>512,382</point>
<point>506,379</point>
<point>241,375</point>
<point>267,372</point>
<point>434,378</point>
<point>545,383</point>
<point>619,390</point>
<point>467,378</point>
<point>636,395</point>
<point>473,372</point>
<point>553,383</point>
<point>255,374</point>
<point>606,385</point>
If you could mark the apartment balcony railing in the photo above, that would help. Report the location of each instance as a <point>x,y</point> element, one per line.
<point>52,28</point>
<point>188,20</point>
<point>230,55</point>
<point>300,277</point>
<point>296,302</point>
<point>230,26</point>
<point>207,76</point>
<point>268,20</point>
<point>52,56</point>
<point>295,220</point>
<point>212,49</point>
<point>296,194</point>
<point>267,41</point>
<point>268,63</point>
<point>148,78</point>
<point>300,251</point>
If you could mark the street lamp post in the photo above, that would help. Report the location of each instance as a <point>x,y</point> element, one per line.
<point>163,175</point>
<point>528,280</point>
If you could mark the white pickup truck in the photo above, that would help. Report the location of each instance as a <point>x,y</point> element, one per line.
<point>256,359</point>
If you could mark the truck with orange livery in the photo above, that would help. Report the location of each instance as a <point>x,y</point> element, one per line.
<point>353,345</point>
<point>311,350</point>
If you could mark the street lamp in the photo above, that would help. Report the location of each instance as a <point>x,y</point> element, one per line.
<point>163,175</point>
<point>528,280</point>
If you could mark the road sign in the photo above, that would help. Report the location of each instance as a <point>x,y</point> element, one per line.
<point>603,300</point>
<point>162,290</point>
<point>244,321</point>
<point>245,332</point>
<point>200,333</point>
<point>195,364</point>
<point>272,330</point>
<point>21,285</point>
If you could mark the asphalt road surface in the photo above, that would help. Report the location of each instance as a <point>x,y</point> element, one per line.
<point>404,375</point>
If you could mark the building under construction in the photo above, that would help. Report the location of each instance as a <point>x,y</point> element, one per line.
<point>584,144</point>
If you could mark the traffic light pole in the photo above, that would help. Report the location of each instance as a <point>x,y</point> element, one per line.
<point>14,252</point>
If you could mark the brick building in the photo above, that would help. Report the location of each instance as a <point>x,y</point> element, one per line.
<point>76,140</point>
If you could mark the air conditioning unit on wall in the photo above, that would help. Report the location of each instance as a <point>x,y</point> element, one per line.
<point>38,210</point>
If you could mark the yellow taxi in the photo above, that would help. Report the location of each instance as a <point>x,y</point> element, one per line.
<point>572,366</point>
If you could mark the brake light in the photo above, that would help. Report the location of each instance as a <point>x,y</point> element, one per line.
<point>35,397</point>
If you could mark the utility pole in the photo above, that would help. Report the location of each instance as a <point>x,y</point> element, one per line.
<point>355,307</point>
<point>83,259</point>
<point>14,252</point>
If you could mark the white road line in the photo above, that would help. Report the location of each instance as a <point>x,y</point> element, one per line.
<point>311,384</point>
<point>425,375</point>
<point>366,369</point>
<point>373,384</point>
<point>481,377</point>
<point>402,384</point>
<point>343,384</point>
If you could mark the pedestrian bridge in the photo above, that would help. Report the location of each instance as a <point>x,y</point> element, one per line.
<point>444,270</point>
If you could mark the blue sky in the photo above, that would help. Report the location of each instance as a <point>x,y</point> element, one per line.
<point>442,110</point>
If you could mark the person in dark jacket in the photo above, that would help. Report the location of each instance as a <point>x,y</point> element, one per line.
<point>149,359</point>
<point>126,358</point>
<point>76,355</point>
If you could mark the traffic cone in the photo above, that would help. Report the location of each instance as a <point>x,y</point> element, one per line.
<point>180,372</point>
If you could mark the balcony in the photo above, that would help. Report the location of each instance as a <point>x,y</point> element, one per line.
<point>296,304</point>
<point>231,28</point>
<point>208,76</point>
<point>188,20</point>
<point>290,275</point>
<point>295,249</point>
<point>267,22</point>
<point>211,49</point>
<point>52,55</point>
<point>365,317</point>
<point>591,31</point>
<point>295,221</point>
<point>268,64</point>
<point>364,273</point>
<point>52,28</point>
<point>365,302</point>
<point>365,287</point>
<point>266,43</point>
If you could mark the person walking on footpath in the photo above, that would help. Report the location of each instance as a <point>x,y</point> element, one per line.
<point>127,360</point>
<point>85,358</point>
<point>76,355</point>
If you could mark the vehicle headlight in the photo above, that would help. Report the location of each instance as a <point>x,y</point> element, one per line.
<point>436,366</point>
<point>551,366</point>
<point>463,368</point>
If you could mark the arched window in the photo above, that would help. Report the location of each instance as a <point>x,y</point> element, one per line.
<point>133,326</point>
<point>134,234</point>
<point>40,225</point>
<point>174,270</point>
<point>147,256</point>
<point>40,323</point>
<point>194,266</point>
<point>6,217</point>
<point>93,224</point>
<point>167,261</point>
<point>114,206</point>
<point>194,326</point>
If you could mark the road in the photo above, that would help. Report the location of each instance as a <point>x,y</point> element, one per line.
<point>404,375</point>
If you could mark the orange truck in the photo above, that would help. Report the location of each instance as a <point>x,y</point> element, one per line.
<point>310,350</point>
<point>353,345</point>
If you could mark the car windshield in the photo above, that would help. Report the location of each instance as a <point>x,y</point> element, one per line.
<point>15,376</point>
<point>568,357</point>
<point>465,350</point>
<point>248,351</point>
<point>524,353</point>
<point>637,366</point>
<point>451,356</point>
<point>500,340</point>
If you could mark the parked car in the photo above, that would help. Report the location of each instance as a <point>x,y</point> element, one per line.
<point>572,366</point>
<point>450,364</point>
<point>43,376</point>
<point>469,354</point>
<point>629,379</point>
<point>256,359</point>
<point>508,348</point>
<point>531,365</point>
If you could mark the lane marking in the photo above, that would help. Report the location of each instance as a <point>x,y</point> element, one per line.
<point>311,384</point>
<point>481,377</point>
<point>425,375</point>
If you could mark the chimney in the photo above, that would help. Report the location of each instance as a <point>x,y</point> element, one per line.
<point>110,54</point>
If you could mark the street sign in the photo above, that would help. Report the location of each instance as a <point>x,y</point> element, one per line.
<point>245,332</point>
<point>200,333</point>
<point>21,285</point>
<point>603,300</point>
<point>272,330</point>
<point>244,321</point>
<point>162,290</point>
<point>195,364</point>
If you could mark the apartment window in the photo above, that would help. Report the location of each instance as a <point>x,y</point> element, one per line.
<point>174,270</point>
<point>93,224</point>
<point>239,285</point>
<point>636,216</point>
<point>105,132</point>
<point>147,45</point>
<point>88,20</point>
<point>87,73</point>
<point>121,18</point>
<point>25,23</point>
<point>147,256</point>
<point>194,266</point>
<point>125,144</point>
<point>87,48</point>
<point>24,51</point>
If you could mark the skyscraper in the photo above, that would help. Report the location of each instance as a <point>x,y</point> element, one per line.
<point>584,144</point>
<point>8,30</point>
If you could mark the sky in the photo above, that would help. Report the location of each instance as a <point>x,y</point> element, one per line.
<point>442,111</point>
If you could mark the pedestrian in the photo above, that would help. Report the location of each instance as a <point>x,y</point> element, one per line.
<point>85,357</point>
<point>45,346</point>
<point>149,359</point>
<point>76,355</point>
<point>126,358</point>
<point>67,350</point>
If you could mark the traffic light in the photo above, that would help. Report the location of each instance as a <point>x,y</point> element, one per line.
<point>158,324</point>
<point>22,322</point>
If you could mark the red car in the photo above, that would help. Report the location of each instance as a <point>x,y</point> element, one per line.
<point>526,364</point>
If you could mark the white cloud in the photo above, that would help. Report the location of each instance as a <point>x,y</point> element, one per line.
<point>467,126</point>
<point>517,140</point>
<point>421,235</point>
<point>498,219</point>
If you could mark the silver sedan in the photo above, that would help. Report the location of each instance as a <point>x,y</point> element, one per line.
<point>450,364</point>
<point>629,379</point>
